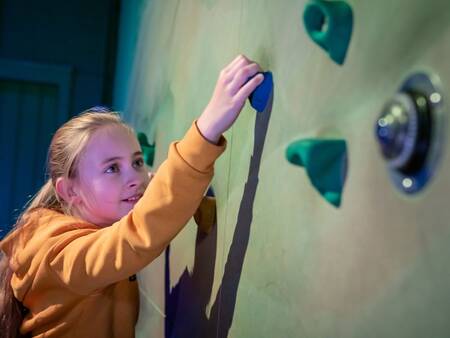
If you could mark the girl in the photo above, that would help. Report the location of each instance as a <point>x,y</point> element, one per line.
<point>71,259</point>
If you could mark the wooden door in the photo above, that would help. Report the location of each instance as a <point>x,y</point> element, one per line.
<point>34,100</point>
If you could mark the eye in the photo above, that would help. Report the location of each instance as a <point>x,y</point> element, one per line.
<point>113,168</point>
<point>138,163</point>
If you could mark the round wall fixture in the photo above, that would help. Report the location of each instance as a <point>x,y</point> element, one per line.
<point>410,132</point>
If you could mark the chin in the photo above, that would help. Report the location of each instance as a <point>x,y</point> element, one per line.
<point>126,211</point>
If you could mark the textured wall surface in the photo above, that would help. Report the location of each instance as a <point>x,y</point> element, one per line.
<point>283,262</point>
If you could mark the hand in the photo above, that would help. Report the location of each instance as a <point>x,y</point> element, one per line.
<point>232,89</point>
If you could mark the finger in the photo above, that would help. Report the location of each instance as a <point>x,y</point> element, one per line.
<point>242,62</point>
<point>232,64</point>
<point>249,87</point>
<point>243,75</point>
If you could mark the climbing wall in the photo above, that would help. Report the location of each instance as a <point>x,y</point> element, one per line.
<point>329,242</point>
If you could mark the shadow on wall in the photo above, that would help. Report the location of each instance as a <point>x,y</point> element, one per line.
<point>186,302</point>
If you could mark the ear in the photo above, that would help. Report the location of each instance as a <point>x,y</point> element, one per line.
<point>65,189</point>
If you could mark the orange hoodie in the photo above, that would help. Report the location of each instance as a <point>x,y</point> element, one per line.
<point>77,279</point>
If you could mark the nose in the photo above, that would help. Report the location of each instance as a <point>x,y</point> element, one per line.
<point>133,179</point>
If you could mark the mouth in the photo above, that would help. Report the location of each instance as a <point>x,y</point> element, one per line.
<point>132,199</point>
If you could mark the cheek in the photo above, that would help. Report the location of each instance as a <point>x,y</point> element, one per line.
<point>100,191</point>
<point>108,190</point>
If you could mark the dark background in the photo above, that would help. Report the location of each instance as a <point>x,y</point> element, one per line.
<point>56,59</point>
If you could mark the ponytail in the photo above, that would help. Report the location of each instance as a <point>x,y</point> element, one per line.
<point>12,311</point>
<point>46,197</point>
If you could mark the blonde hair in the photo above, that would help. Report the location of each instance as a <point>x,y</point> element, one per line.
<point>65,150</point>
<point>64,153</point>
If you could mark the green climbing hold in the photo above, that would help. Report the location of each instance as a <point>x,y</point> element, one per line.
<point>330,24</point>
<point>325,162</point>
<point>148,150</point>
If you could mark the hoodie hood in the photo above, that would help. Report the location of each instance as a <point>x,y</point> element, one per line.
<point>30,244</point>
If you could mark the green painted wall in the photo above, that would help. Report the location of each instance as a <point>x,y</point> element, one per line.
<point>131,12</point>
<point>377,266</point>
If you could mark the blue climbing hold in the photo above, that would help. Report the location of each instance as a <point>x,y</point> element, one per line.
<point>330,24</point>
<point>261,95</point>
<point>325,162</point>
<point>148,151</point>
<point>210,192</point>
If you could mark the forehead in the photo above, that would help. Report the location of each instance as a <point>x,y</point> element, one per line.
<point>110,141</point>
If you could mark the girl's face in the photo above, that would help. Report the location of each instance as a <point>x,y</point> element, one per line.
<point>111,176</point>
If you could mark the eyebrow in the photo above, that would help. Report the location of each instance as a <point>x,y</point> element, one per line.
<point>115,158</point>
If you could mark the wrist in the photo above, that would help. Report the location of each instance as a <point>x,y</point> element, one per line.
<point>207,131</point>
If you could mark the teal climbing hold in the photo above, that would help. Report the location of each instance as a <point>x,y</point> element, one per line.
<point>148,150</point>
<point>325,162</point>
<point>330,24</point>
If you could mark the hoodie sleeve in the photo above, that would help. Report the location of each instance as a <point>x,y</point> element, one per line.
<point>88,260</point>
